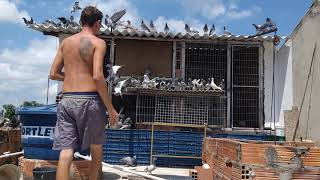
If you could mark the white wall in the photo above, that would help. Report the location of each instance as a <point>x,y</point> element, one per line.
<point>282,85</point>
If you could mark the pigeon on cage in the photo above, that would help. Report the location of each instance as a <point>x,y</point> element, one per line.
<point>129,161</point>
<point>112,71</point>
<point>126,124</point>
<point>225,31</point>
<point>75,7</point>
<point>222,84</point>
<point>213,85</point>
<point>120,85</point>
<point>151,167</point>
<point>207,86</point>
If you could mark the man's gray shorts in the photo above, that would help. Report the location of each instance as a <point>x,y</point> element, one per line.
<point>81,121</point>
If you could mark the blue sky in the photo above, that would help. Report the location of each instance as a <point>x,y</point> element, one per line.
<point>26,55</point>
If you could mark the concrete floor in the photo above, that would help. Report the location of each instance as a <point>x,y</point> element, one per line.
<point>165,173</point>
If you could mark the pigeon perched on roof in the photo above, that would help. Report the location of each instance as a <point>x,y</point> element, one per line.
<point>166,29</point>
<point>189,29</point>
<point>225,31</point>
<point>129,26</point>
<point>222,84</point>
<point>27,21</point>
<point>144,27</point>
<point>129,161</point>
<point>75,7</point>
<point>267,26</point>
<point>151,167</point>
<point>212,30</point>
<point>64,21</point>
<point>152,27</point>
<point>51,22</point>
<point>205,29</point>
<point>114,20</point>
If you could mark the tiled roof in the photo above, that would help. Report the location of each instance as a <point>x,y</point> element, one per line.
<point>125,33</point>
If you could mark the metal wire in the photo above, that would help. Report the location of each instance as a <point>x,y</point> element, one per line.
<point>206,61</point>
<point>182,109</point>
<point>245,83</point>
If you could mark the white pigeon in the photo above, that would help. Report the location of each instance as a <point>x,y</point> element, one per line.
<point>213,85</point>
<point>205,166</point>
<point>115,68</point>
<point>151,167</point>
<point>120,85</point>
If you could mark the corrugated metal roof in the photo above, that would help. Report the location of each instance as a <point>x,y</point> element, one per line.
<point>125,33</point>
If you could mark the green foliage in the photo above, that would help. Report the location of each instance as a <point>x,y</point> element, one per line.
<point>30,104</point>
<point>9,112</point>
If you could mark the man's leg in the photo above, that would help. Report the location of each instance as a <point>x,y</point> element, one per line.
<point>65,160</point>
<point>95,165</point>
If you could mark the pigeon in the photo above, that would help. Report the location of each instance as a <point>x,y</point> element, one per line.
<point>205,29</point>
<point>212,30</point>
<point>152,27</point>
<point>222,84</point>
<point>114,20</point>
<point>120,85</point>
<point>196,84</point>
<point>225,31</point>
<point>113,77</point>
<point>50,22</point>
<point>129,26</point>
<point>72,22</point>
<point>190,30</point>
<point>129,161</point>
<point>205,165</point>
<point>166,29</point>
<point>151,167</point>
<point>126,124</point>
<point>207,86</point>
<point>27,21</point>
<point>267,26</point>
<point>75,7</point>
<point>64,21</point>
<point>213,85</point>
<point>144,27</point>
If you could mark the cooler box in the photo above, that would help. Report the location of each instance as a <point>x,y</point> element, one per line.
<point>37,131</point>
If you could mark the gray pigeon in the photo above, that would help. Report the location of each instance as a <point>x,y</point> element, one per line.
<point>225,31</point>
<point>151,167</point>
<point>120,85</point>
<point>75,7</point>
<point>189,29</point>
<point>129,161</point>
<point>144,27</point>
<point>152,27</point>
<point>117,16</point>
<point>222,84</point>
<point>64,21</point>
<point>27,21</point>
<point>50,22</point>
<point>212,30</point>
<point>166,29</point>
<point>205,29</point>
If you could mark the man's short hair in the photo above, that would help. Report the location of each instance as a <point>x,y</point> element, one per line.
<point>90,15</point>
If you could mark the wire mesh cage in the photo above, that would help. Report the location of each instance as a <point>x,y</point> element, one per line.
<point>245,86</point>
<point>181,109</point>
<point>204,61</point>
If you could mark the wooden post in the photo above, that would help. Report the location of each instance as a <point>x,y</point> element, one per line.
<point>228,85</point>
<point>261,87</point>
<point>183,60</point>
<point>174,50</point>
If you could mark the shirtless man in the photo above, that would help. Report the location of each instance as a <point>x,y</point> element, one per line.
<point>81,112</point>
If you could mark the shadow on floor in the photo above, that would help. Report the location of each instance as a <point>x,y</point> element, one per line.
<point>110,176</point>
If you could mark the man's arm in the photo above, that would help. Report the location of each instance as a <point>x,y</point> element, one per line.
<point>56,67</point>
<point>99,78</point>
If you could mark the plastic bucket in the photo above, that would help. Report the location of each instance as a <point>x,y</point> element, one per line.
<point>280,133</point>
<point>44,173</point>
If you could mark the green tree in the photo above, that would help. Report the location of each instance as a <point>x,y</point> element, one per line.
<point>9,112</point>
<point>30,104</point>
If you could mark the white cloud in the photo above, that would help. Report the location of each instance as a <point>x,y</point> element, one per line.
<point>10,12</point>
<point>211,9</point>
<point>24,72</point>
<point>207,8</point>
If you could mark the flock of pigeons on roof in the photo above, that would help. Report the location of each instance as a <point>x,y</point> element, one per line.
<point>113,23</point>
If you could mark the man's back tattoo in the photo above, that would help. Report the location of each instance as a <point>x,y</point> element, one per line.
<point>85,48</point>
